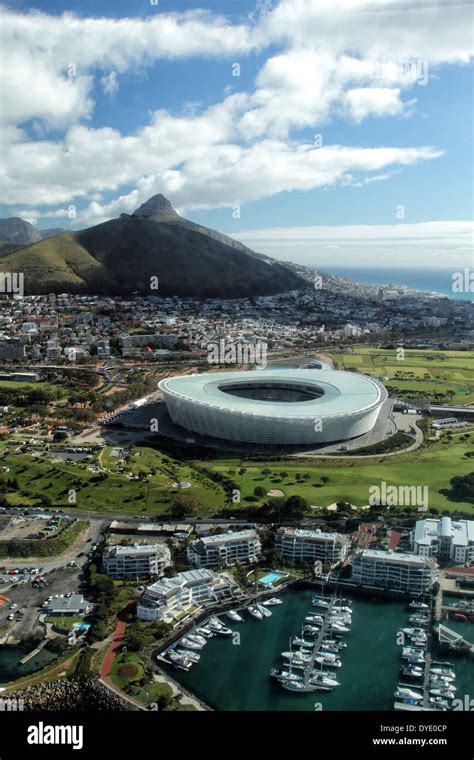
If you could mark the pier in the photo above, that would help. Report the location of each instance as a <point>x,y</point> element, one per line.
<point>32,654</point>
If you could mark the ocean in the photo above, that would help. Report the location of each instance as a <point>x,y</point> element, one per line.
<point>435,280</point>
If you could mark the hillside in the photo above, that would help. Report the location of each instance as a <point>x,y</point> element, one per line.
<point>121,256</point>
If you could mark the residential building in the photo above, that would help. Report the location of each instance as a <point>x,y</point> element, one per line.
<point>11,349</point>
<point>169,597</point>
<point>136,561</point>
<point>241,547</point>
<point>393,571</point>
<point>298,545</point>
<point>445,539</point>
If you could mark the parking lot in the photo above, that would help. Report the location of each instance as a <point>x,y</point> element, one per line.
<point>27,592</point>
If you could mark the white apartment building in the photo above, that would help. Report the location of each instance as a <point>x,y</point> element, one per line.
<point>298,545</point>
<point>445,539</point>
<point>393,571</point>
<point>169,596</point>
<point>136,561</point>
<point>240,547</point>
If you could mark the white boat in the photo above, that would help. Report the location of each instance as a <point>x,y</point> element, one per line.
<point>330,648</point>
<point>414,631</point>
<point>320,601</point>
<point>284,675</point>
<point>197,638</point>
<point>416,605</point>
<point>310,629</point>
<point>264,610</point>
<point>224,631</point>
<point>323,680</point>
<point>334,642</point>
<point>418,619</point>
<point>413,671</point>
<point>325,658</point>
<point>404,693</point>
<point>342,608</point>
<point>440,691</point>
<point>439,702</point>
<point>180,660</point>
<point>204,631</point>
<point>190,643</point>
<point>234,615</point>
<point>338,628</point>
<point>193,656</point>
<point>255,612</point>
<point>443,672</point>
<point>443,681</point>
<point>294,657</point>
<point>272,602</point>
<point>298,686</point>
<point>299,642</point>
<point>314,619</point>
<point>215,624</point>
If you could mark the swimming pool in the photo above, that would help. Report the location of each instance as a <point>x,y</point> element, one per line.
<point>267,580</point>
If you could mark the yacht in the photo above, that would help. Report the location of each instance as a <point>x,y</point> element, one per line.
<point>272,602</point>
<point>443,672</point>
<point>343,608</point>
<point>284,675</point>
<point>443,681</point>
<point>330,648</point>
<point>416,605</point>
<point>299,686</point>
<point>412,654</point>
<point>314,619</point>
<point>439,702</point>
<point>197,638</point>
<point>442,691</point>
<point>264,610</point>
<point>418,618</point>
<point>193,656</point>
<point>412,671</point>
<point>419,641</point>
<point>326,658</point>
<point>338,627</point>
<point>224,631</point>
<point>323,680</point>
<point>178,659</point>
<point>255,612</point>
<point>320,601</point>
<point>310,630</point>
<point>300,642</point>
<point>234,615</point>
<point>215,624</point>
<point>190,643</point>
<point>204,631</point>
<point>404,693</point>
<point>414,631</point>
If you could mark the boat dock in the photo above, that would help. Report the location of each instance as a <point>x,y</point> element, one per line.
<point>308,671</point>
<point>32,654</point>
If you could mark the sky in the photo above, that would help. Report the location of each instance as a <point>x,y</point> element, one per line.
<point>319,131</point>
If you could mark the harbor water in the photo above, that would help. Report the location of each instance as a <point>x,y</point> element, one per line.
<point>236,676</point>
<point>10,667</point>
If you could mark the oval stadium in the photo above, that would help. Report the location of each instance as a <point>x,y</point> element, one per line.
<point>274,407</point>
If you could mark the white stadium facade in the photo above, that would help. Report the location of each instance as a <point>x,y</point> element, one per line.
<point>274,407</point>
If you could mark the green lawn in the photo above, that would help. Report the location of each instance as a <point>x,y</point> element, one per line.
<point>350,480</point>
<point>127,668</point>
<point>421,371</point>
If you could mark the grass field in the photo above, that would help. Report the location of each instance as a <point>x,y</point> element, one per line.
<point>60,482</point>
<point>421,372</point>
<point>350,480</point>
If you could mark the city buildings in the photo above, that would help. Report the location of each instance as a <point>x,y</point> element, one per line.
<point>445,539</point>
<point>236,548</point>
<point>393,571</point>
<point>298,545</point>
<point>169,597</point>
<point>136,561</point>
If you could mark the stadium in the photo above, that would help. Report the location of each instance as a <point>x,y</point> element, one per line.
<point>275,407</point>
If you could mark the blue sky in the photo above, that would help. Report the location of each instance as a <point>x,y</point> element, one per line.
<point>152,106</point>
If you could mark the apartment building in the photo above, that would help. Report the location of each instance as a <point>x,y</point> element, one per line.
<point>136,561</point>
<point>445,539</point>
<point>166,598</point>
<point>241,547</point>
<point>298,545</point>
<point>393,571</point>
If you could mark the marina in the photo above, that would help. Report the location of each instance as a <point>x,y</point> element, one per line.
<point>235,676</point>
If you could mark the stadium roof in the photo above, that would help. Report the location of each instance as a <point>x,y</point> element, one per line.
<point>342,392</point>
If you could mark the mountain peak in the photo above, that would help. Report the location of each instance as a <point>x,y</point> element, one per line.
<point>156,208</point>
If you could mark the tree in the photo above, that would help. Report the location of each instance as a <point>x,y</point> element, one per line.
<point>184,506</point>
<point>260,491</point>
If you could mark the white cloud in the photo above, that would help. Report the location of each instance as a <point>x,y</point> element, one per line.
<point>430,244</point>
<point>240,149</point>
<point>110,83</point>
